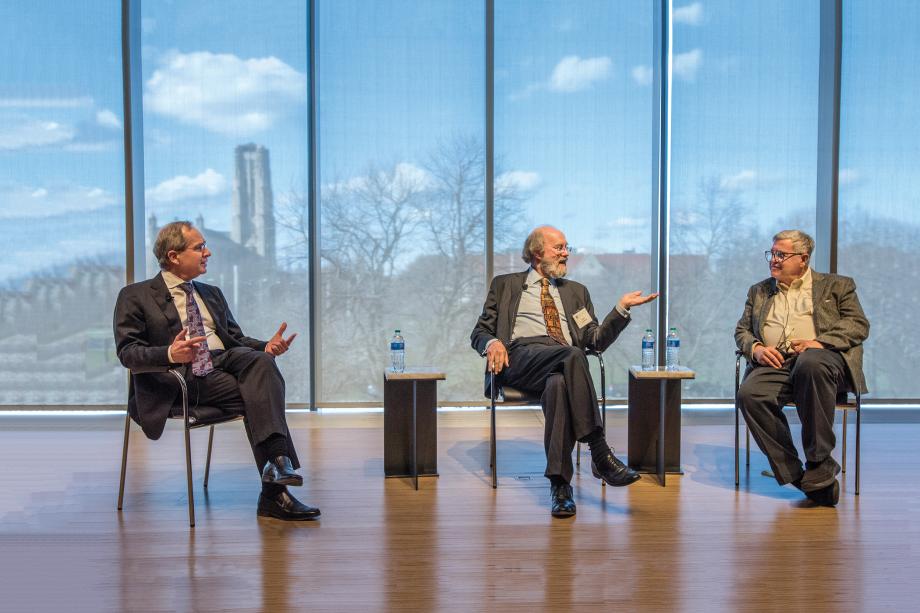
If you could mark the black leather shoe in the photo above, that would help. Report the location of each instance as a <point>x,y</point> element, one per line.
<point>284,506</point>
<point>280,472</point>
<point>827,496</point>
<point>613,471</point>
<point>563,504</point>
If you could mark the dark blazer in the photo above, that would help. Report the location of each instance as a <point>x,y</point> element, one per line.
<point>146,322</point>
<point>504,298</point>
<point>840,323</point>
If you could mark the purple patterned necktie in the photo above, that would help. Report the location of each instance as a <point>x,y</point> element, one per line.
<point>202,364</point>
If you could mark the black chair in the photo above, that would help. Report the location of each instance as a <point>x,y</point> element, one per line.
<point>843,404</point>
<point>506,396</point>
<point>197,417</point>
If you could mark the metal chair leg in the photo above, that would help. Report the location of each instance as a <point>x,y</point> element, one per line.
<point>737,444</point>
<point>188,474</point>
<point>747,446</point>
<point>492,442</point>
<point>603,402</point>
<point>843,451</point>
<point>577,455</point>
<point>124,462</point>
<point>207,465</point>
<point>858,416</point>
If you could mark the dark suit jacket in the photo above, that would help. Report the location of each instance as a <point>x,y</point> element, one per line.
<point>504,298</point>
<point>839,320</point>
<point>146,322</point>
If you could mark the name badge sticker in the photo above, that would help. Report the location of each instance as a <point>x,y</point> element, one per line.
<point>581,318</point>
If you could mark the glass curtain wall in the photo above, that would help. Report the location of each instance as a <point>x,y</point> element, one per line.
<point>573,132</point>
<point>225,146</point>
<point>743,164</point>
<point>402,206</point>
<point>61,203</point>
<point>879,185</point>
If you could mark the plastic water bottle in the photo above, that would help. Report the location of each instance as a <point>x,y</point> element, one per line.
<point>397,352</point>
<point>648,350</point>
<point>672,350</point>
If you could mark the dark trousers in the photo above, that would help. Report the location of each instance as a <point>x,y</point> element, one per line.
<point>812,380</point>
<point>248,380</point>
<point>540,365</point>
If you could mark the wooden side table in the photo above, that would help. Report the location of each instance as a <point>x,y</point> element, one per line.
<point>654,419</point>
<point>410,422</point>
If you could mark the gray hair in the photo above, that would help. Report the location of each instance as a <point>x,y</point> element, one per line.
<point>171,237</point>
<point>533,244</point>
<point>801,242</point>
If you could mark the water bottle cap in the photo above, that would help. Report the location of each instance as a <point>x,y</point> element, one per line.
<point>397,331</point>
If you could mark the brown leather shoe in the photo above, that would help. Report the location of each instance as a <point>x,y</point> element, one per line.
<point>286,507</point>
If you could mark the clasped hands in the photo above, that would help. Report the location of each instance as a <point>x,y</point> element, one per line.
<point>771,356</point>
<point>497,353</point>
<point>183,349</point>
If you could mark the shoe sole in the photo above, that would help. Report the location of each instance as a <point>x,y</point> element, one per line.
<point>269,514</point>
<point>624,484</point>
<point>562,514</point>
<point>296,481</point>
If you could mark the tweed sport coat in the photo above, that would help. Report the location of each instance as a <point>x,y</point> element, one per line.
<point>840,323</point>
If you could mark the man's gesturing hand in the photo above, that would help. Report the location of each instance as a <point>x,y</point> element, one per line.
<point>183,350</point>
<point>636,298</point>
<point>276,345</point>
<point>497,357</point>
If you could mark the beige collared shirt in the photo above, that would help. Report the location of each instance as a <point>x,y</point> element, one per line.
<point>791,315</point>
<point>530,321</point>
<point>178,296</point>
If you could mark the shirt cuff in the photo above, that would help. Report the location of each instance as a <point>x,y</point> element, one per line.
<point>169,354</point>
<point>621,310</point>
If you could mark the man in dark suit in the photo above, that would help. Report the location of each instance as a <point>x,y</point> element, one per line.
<point>802,333</point>
<point>171,321</point>
<point>534,329</point>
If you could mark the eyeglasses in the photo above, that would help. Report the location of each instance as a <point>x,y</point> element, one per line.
<point>779,256</point>
<point>562,248</point>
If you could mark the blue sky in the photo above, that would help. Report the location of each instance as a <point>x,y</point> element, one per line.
<point>572,108</point>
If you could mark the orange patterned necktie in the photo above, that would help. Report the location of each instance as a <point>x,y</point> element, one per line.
<point>551,313</point>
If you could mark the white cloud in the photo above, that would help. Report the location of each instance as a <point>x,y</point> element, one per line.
<point>46,103</point>
<point>745,179</point>
<point>222,92</point>
<point>23,133</point>
<point>524,180</point>
<point>22,201</point>
<point>627,222</point>
<point>572,73</point>
<point>691,15</point>
<point>642,75</point>
<point>686,65</point>
<point>108,119</point>
<point>205,185</point>
<point>849,176</point>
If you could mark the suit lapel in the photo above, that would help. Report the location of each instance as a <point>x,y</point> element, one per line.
<point>819,288</point>
<point>517,288</point>
<point>570,306</point>
<point>164,300</point>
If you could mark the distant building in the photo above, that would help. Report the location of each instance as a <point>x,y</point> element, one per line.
<point>253,223</point>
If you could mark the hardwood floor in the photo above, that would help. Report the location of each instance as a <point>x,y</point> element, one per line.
<point>456,544</point>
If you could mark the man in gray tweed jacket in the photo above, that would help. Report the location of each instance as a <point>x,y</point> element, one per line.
<point>802,333</point>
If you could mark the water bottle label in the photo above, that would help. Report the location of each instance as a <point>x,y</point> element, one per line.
<point>395,346</point>
<point>648,344</point>
<point>673,342</point>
